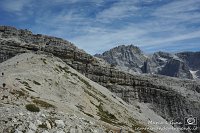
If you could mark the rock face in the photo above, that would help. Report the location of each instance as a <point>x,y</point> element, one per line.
<point>192,59</point>
<point>176,68</point>
<point>131,59</point>
<point>146,68</point>
<point>128,58</point>
<point>171,98</point>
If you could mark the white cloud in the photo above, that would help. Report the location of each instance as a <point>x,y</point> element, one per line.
<point>183,10</point>
<point>174,39</point>
<point>118,10</point>
<point>14,5</point>
<point>94,34</point>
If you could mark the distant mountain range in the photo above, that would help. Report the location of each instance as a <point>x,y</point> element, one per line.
<point>131,59</point>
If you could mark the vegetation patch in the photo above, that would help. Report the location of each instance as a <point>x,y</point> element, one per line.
<point>17,79</point>
<point>32,108</point>
<point>35,82</point>
<point>137,126</point>
<point>43,103</point>
<point>88,114</point>
<point>92,95</point>
<point>106,116</point>
<point>85,82</point>
<point>26,85</point>
<point>66,69</point>
<point>80,107</point>
<point>56,83</point>
<point>44,60</point>
<point>56,69</point>
<point>18,93</point>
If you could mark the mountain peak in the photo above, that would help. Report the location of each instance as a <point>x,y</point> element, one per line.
<point>130,47</point>
<point>125,57</point>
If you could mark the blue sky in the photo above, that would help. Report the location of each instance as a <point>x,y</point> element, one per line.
<point>98,25</point>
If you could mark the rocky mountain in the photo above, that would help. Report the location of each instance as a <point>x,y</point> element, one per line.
<point>160,98</point>
<point>128,58</point>
<point>131,59</point>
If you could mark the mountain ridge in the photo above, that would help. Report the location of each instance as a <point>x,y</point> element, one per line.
<point>168,97</point>
<point>160,62</point>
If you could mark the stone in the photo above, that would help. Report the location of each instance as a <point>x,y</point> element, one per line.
<point>48,124</point>
<point>60,123</point>
<point>45,131</point>
<point>21,114</point>
<point>14,120</point>
<point>60,131</point>
<point>43,115</point>
<point>38,122</point>
<point>72,130</point>
<point>30,131</point>
<point>17,131</point>
<point>79,130</point>
<point>32,126</point>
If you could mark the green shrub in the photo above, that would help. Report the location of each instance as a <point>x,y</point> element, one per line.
<point>105,115</point>
<point>4,85</point>
<point>44,60</point>
<point>43,103</point>
<point>35,82</point>
<point>32,108</point>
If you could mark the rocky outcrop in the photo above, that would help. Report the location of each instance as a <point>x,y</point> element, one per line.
<point>192,59</point>
<point>176,68</point>
<point>169,97</point>
<point>131,59</point>
<point>128,58</point>
<point>146,68</point>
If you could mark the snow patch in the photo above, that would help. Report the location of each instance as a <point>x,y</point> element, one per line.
<point>194,74</point>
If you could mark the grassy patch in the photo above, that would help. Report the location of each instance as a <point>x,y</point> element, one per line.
<point>137,125</point>
<point>17,79</point>
<point>92,95</point>
<point>44,60</point>
<point>85,82</point>
<point>56,83</point>
<point>35,82</point>
<point>18,93</point>
<point>106,116</point>
<point>66,69</point>
<point>88,114</point>
<point>32,108</point>
<point>43,103</point>
<point>26,85</point>
<point>56,69</point>
<point>80,107</point>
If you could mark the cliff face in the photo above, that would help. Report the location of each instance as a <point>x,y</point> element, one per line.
<point>171,98</point>
<point>192,59</point>
<point>176,68</point>
<point>131,59</point>
<point>127,58</point>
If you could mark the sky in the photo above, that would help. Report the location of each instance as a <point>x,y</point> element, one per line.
<point>99,25</point>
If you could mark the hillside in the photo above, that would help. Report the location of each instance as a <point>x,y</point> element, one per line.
<point>66,99</point>
<point>146,97</point>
